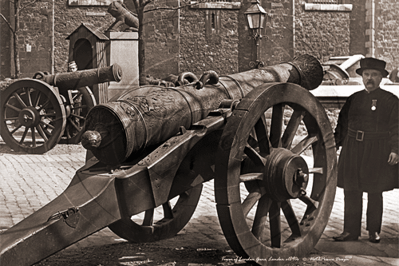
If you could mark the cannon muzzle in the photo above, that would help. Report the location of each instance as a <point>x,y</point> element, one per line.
<point>82,78</point>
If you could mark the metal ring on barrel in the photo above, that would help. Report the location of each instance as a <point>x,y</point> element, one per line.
<point>275,174</point>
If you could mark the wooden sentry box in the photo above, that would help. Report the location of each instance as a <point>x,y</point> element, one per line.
<point>91,48</point>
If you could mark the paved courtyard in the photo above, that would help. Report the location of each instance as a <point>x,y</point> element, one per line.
<point>28,182</point>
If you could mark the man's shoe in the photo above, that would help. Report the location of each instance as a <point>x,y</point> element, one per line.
<point>345,236</point>
<point>374,237</point>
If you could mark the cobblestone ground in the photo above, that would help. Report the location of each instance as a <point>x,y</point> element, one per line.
<point>28,182</point>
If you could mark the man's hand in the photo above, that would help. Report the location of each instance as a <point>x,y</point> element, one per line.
<point>393,158</point>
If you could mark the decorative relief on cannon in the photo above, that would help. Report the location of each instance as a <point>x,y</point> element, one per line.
<point>125,20</point>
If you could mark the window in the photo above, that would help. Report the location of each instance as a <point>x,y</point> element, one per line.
<point>325,1</point>
<point>212,25</point>
<point>328,5</point>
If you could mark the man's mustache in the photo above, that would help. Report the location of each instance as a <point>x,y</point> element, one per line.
<point>370,82</point>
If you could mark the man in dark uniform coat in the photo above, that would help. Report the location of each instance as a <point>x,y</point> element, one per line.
<point>367,130</point>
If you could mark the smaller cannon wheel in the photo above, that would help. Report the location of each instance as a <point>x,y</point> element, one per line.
<point>81,101</point>
<point>147,228</point>
<point>270,203</point>
<point>32,116</point>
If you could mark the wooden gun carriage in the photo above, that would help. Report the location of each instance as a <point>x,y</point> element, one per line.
<point>38,113</point>
<point>154,147</point>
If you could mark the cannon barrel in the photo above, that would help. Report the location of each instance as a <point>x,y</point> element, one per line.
<point>82,78</point>
<point>148,115</point>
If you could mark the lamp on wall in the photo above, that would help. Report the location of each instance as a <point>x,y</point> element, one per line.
<point>256,15</point>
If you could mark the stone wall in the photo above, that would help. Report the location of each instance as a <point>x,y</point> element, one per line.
<point>5,44</point>
<point>161,34</point>
<point>278,39</point>
<point>34,39</point>
<point>321,33</point>
<point>357,27</point>
<point>215,48</point>
<point>387,32</point>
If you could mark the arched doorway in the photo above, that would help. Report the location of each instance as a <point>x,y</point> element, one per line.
<point>83,54</point>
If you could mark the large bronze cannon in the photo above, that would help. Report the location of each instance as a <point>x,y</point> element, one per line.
<point>38,113</point>
<point>153,148</point>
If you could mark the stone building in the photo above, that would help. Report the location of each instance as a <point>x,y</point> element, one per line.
<point>183,35</point>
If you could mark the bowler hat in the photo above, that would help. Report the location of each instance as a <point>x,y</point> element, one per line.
<point>372,63</point>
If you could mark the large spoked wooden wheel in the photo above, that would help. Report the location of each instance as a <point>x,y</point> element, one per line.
<point>81,101</point>
<point>159,223</point>
<point>270,202</point>
<point>32,116</point>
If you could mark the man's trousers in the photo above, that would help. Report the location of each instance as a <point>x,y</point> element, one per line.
<point>353,212</point>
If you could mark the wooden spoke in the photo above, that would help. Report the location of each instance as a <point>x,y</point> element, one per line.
<point>292,128</point>
<point>15,118</point>
<point>41,132</point>
<point>309,202</point>
<point>19,99</point>
<point>32,129</point>
<point>148,218</point>
<point>262,136</point>
<point>167,210</point>
<point>73,124</point>
<point>260,221</point>
<point>37,100</point>
<point>254,156</point>
<point>316,170</point>
<point>304,144</point>
<point>291,218</point>
<point>311,207</point>
<point>24,135</point>
<point>13,107</point>
<point>45,104</point>
<point>250,201</point>
<point>28,92</point>
<point>252,141</point>
<point>78,116</point>
<point>47,124</point>
<point>276,125</point>
<point>275,224</point>
<point>15,129</point>
<point>76,96</point>
<point>251,177</point>
<point>79,107</point>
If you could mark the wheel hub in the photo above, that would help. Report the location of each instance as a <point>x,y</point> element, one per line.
<point>285,175</point>
<point>29,117</point>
